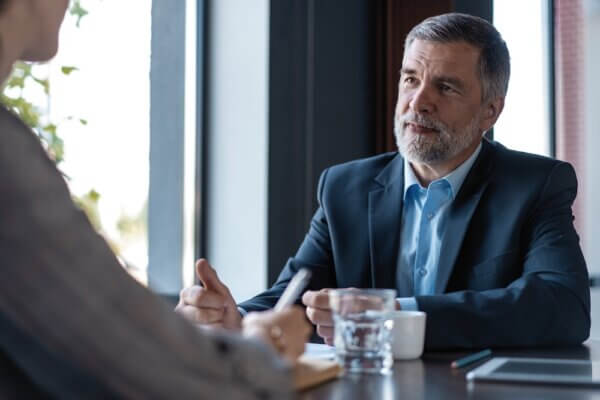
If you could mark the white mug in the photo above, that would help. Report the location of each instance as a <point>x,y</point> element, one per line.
<point>408,334</point>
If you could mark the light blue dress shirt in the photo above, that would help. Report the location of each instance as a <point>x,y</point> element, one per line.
<point>424,218</point>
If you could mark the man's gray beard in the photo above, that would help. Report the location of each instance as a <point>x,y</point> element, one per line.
<point>433,147</point>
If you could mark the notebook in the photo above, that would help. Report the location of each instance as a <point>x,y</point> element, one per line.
<point>310,371</point>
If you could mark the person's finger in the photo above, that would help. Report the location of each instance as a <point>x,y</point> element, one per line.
<point>201,297</point>
<point>208,276</point>
<point>294,350</point>
<point>328,341</point>
<point>215,326</point>
<point>296,333</point>
<point>350,305</point>
<point>180,303</point>
<point>201,315</point>
<point>319,317</point>
<point>316,299</point>
<point>256,317</point>
<point>325,331</point>
<point>356,303</point>
<point>295,313</point>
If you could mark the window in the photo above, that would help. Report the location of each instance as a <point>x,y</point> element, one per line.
<point>116,109</point>
<point>126,113</point>
<point>109,92</point>
<point>525,122</point>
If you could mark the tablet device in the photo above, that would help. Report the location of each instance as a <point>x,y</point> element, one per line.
<point>538,370</point>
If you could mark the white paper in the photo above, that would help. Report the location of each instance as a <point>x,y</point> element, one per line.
<point>320,351</point>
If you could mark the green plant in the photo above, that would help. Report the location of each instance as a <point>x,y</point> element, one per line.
<point>16,94</point>
<point>23,76</point>
<point>13,97</point>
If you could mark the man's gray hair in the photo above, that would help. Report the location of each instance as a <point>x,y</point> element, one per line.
<point>494,60</point>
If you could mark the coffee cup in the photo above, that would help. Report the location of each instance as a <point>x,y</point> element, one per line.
<point>408,334</point>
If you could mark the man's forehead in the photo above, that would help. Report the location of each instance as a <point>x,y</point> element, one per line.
<point>454,55</point>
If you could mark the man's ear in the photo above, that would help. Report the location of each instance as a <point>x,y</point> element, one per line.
<point>492,111</point>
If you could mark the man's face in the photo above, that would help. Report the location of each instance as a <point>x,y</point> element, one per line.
<point>440,115</point>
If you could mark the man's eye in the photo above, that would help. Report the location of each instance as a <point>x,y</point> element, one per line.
<point>446,89</point>
<point>409,80</point>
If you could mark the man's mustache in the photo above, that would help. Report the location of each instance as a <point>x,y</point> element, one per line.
<point>423,121</point>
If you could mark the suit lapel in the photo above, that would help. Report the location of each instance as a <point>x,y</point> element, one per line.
<point>385,213</point>
<point>460,214</point>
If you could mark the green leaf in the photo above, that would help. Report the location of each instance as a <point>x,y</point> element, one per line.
<point>93,195</point>
<point>83,121</point>
<point>78,11</point>
<point>28,113</point>
<point>16,81</point>
<point>50,128</point>
<point>89,204</point>
<point>44,83</point>
<point>67,70</point>
<point>23,69</point>
<point>57,152</point>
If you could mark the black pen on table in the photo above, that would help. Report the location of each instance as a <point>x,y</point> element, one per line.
<point>471,358</point>
<point>293,289</point>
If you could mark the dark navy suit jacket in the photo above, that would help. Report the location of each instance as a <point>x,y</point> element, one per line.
<point>518,276</point>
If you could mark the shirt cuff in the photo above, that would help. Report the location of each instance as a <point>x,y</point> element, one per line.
<point>408,304</point>
<point>242,311</point>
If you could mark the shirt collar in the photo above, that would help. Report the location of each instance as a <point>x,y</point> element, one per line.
<point>454,178</point>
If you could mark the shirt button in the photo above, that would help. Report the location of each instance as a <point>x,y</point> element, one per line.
<point>430,215</point>
<point>422,271</point>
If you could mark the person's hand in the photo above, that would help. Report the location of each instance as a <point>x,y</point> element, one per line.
<point>210,304</point>
<point>286,330</point>
<point>318,312</point>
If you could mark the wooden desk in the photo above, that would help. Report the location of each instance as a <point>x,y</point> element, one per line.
<point>432,378</point>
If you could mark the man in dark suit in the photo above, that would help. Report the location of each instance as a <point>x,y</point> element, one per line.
<point>479,237</point>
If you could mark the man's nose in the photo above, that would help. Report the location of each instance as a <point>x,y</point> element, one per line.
<point>422,100</point>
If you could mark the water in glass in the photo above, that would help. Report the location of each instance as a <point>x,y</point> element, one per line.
<point>363,325</point>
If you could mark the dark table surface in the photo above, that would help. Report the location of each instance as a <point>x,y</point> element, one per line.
<point>432,378</point>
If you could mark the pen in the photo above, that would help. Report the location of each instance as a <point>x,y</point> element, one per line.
<point>293,289</point>
<point>461,362</point>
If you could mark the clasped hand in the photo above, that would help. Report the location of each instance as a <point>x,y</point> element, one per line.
<point>211,305</point>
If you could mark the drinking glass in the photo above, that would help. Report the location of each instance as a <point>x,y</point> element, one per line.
<point>362,328</point>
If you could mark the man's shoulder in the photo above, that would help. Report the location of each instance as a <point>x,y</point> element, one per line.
<point>526,172</point>
<point>521,162</point>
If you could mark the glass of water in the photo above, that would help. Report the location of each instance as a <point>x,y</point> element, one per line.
<point>362,328</point>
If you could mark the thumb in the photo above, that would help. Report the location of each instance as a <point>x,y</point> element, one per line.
<point>209,279</point>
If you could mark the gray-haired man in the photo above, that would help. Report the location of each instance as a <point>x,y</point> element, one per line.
<point>478,236</point>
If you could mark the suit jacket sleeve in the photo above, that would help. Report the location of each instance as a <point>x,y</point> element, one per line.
<point>548,305</point>
<point>315,254</point>
<point>78,325</point>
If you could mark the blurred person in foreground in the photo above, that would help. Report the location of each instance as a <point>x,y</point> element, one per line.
<point>73,323</point>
